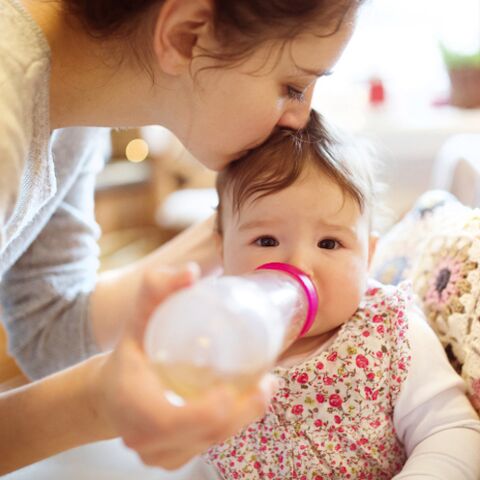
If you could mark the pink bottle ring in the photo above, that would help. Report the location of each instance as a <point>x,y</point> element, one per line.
<point>308,287</point>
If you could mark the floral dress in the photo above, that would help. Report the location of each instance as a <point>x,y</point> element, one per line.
<point>333,415</point>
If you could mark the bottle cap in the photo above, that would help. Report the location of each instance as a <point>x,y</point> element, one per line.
<point>308,287</point>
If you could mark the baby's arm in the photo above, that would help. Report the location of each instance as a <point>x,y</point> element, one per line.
<point>433,417</point>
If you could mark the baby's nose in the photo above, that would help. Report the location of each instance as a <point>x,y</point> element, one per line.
<point>301,261</point>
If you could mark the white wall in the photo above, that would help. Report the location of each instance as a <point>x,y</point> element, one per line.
<point>398,40</point>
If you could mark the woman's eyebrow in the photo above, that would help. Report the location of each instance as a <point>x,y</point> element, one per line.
<point>315,73</point>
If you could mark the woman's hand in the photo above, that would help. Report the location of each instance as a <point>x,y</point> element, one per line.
<point>132,402</point>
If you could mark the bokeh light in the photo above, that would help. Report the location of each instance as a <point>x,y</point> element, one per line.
<point>137,150</point>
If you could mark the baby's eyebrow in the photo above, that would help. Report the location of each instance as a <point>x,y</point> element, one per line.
<point>256,224</point>
<point>339,228</point>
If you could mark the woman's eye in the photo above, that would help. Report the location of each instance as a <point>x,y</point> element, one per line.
<point>295,93</point>
<point>266,242</point>
<point>328,244</point>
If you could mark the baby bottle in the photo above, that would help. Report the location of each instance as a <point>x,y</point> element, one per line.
<point>230,329</point>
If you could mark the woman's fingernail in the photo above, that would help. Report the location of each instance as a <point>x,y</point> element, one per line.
<point>194,269</point>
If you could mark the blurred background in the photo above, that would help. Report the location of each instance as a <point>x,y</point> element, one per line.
<point>409,81</point>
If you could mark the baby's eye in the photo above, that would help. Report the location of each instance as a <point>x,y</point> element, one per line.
<point>329,244</point>
<point>266,242</point>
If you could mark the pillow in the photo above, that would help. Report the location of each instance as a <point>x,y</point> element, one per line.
<point>437,247</point>
<point>399,249</point>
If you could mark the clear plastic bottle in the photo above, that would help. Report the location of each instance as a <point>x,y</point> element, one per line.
<point>230,329</point>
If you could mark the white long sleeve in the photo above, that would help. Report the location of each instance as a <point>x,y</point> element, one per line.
<point>451,454</point>
<point>433,418</point>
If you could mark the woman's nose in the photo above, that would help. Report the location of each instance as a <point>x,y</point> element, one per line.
<point>296,113</point>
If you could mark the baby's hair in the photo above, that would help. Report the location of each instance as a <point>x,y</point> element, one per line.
<point>240,26</point>
<point>281,160</point>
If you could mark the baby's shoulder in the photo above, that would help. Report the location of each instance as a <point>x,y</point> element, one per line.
<point>389,301</point>
<point>380,291</point>
<point>384,312</point>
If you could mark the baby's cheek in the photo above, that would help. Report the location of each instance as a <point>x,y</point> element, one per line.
<point>350,302</point>
<point>238,262</point>
<point>346,294</point>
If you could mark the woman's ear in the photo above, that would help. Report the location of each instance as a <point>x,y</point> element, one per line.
<point>218,243</point>
<point>180,26</point>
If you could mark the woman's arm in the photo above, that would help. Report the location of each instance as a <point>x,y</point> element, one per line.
<point>433,417</point>
<point>119,394</point>
<point>49,416</point>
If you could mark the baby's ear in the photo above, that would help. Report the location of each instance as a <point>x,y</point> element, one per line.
<point>372,245</point>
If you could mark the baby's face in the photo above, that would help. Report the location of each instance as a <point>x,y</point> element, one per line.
<point>315,227</point>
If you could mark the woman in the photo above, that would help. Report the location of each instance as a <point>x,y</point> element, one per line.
<point>222,75</point>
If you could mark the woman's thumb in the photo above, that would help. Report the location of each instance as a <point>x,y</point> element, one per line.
<point>156,285</point>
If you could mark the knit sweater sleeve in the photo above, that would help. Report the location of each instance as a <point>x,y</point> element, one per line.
<point>45,295</point>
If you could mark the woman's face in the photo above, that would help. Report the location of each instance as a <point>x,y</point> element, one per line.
<point>226,111</point>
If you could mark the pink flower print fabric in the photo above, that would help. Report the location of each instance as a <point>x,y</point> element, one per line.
<point>333,416</point>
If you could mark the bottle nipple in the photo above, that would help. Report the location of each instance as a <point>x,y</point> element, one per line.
<point>308,288</point>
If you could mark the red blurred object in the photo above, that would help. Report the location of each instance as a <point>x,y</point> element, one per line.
<point>376,94</point>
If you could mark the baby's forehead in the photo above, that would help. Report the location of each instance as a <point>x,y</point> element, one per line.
<point>280,207</point>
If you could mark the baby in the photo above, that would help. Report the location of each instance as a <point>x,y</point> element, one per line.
<point>368,393</point>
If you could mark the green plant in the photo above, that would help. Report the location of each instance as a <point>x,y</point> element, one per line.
<point>458,60</point>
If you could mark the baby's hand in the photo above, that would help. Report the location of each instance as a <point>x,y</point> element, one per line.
<point>133,404</point>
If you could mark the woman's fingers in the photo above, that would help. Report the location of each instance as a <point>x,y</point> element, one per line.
<point>150,424</point>
<point>218,415</point>
<point>169,459</point>
<point>198,425</point>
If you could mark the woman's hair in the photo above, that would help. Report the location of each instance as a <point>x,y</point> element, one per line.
<point>281,160</point>
<point>239,25</point>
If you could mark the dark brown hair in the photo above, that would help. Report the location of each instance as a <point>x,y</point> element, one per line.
<point>280,161</point>
<point>239,25</point>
